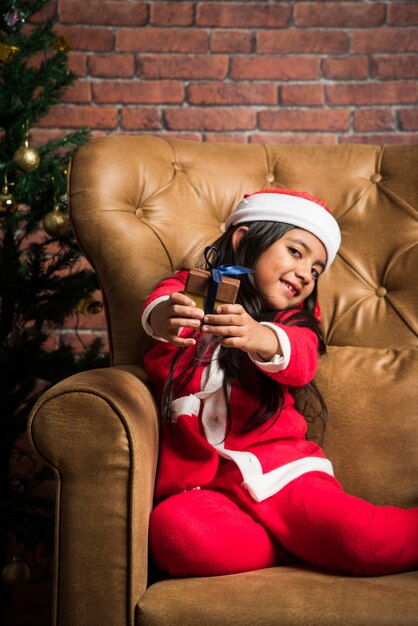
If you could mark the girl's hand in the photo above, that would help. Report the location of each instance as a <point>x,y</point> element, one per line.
<point>177,312</point>
<point>237,329</point>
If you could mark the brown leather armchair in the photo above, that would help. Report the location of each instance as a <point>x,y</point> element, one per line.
<point>142,207</point>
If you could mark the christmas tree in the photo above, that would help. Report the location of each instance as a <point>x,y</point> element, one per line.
<point>41,280</point>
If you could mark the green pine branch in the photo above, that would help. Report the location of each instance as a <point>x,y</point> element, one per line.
<point>41,282</point>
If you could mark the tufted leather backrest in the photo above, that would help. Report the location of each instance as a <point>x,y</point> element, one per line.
<point>142,207</point>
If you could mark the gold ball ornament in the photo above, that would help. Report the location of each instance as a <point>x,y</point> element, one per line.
<point>15,573</point>
<point>89,306</point>
<point>27,158</point>
<point>56,223</point>
<point>7,202</point>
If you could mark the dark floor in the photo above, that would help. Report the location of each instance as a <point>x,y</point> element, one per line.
<point>28,604</point>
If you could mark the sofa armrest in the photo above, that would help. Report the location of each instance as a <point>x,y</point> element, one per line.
<point>99,432</point>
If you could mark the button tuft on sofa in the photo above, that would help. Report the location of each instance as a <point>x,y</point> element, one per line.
<point>381,292</point>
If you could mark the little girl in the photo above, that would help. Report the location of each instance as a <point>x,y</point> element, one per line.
<point>239,487</point>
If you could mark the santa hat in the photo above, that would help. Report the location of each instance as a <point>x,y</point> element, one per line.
<point>290,207</point>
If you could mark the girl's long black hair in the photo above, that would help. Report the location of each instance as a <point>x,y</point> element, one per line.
<point>233,361</point>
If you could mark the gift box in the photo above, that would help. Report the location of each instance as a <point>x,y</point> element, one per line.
<point>197,288</point>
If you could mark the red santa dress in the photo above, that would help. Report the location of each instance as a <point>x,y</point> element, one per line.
<point>230,501</point>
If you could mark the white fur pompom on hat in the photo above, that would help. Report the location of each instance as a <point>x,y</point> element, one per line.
<point>290,207</point>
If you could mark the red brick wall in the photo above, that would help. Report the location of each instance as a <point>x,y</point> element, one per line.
<point>305,72</point>
<point>289,72</point>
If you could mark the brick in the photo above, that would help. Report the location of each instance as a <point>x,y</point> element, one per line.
<point>184,66</point>
<point>161,40</point>
<point>345,68</point>
<point>225,138</point>
<point>40,136</point>
<point>396,92</point>
<point>302,95</point>
<point>232,93</point>
<point>382,138</point>
<point>384,40</point>
<point>340,14</point>
<point>112,65</point>
<point>138,91</point>
<point>275,68</point>
<point>394,66</point>
<point>51,342</point>
<point>374,120</point>
<point>80,91</point>
<point>408,119</point>
<point>304,119</point>
<point>210,118</point>
<point>48,12</point>
<point>77,63</point>
<point>403,14</point>
<point>294,138</point>
<point>87,322</point>
<point>104,12</point>
<point>304,41</point>
<point>35,60</point>
<point>172,13</point>
<point>80,264</point>
<point>76,116</point>
<point>186,136</point>
<point>101,133</point>
<point>231,41</point>
<point>83,338</point>
<point>141,118</point>
<point>40,236</point>
<point>90,38</point>
<point>238,14</point>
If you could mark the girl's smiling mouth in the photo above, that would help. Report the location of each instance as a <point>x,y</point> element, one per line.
<point>293,289</point>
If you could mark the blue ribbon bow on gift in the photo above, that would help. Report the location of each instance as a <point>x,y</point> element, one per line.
<point>217,271</point>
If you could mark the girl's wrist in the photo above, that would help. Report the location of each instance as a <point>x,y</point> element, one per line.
<point>271,345</point>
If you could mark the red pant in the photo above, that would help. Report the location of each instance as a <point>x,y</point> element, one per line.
<point>212,532</point>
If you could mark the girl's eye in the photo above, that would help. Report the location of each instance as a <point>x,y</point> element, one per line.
<point>295,252</point>
<point>315,274</point>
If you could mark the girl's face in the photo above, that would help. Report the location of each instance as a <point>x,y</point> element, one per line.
<point>287,271</point>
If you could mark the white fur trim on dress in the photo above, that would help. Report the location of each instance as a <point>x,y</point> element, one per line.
<point>146,315</point>
<point>260,485</point>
